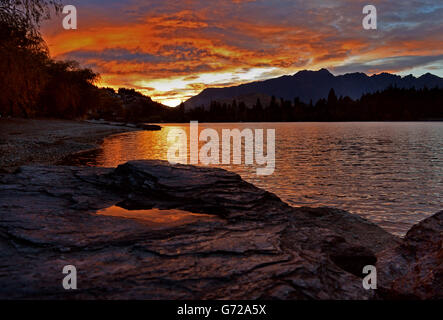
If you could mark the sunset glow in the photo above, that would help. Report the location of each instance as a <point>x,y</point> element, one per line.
<point>172,50</point>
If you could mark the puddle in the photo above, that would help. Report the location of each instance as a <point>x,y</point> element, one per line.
<point>158,218</point>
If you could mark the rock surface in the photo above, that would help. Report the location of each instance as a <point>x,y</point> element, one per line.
<point>248,244</point>
<point>414,268</point>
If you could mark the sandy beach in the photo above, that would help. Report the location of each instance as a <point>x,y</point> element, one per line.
<point>31,141</point>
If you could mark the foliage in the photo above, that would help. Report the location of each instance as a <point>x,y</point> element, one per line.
<point>392,104</point>
<point>32,83</point>
<point>27,14</point>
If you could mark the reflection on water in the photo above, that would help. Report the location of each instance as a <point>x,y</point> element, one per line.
<point>157,218</point>
<point>391,173</point>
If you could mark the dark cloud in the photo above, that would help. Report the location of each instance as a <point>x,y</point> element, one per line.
<point>390,64</point>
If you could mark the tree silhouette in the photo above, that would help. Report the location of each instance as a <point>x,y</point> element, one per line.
<point>32,83</point>
<point>332,98</point>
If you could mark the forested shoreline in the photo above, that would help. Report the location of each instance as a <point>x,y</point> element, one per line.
<point>34,85</point>
<point>392,104</point>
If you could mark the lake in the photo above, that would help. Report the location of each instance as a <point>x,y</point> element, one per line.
<point>388,172</point>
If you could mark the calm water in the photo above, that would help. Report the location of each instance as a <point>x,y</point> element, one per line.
<point>390,173</point>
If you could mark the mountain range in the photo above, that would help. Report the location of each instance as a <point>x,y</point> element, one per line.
<point>311,85</point>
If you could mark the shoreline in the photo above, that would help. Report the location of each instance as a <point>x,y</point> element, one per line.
<point>119,226</point>
<point>48,141</point>
<point>56,142</point>
<point>246,236</point>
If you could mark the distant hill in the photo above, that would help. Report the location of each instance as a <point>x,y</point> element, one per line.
<point>314,85</point>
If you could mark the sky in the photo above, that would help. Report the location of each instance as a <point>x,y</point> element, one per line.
<point>171,50</point>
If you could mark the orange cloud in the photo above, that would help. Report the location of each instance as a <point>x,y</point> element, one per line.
<point>172,50</point>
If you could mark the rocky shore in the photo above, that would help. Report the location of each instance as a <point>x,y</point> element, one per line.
<point>150,230</point>
<point>37,141</point>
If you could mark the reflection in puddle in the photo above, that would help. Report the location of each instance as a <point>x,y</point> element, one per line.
<point>158,218</point>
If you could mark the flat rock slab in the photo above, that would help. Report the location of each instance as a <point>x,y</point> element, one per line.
<point>414,268</point>
<point>236,242</point>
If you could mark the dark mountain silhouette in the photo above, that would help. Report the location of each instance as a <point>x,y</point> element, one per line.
<point>314,85</point>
